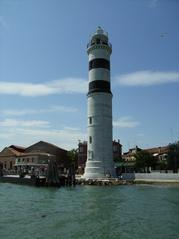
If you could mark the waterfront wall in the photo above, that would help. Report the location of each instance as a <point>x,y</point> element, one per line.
<point>128,176</point>
<point>150,176</point>
<point>157,176</point>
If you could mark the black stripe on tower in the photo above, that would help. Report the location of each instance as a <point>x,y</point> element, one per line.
<point>99,86</point>
<point>99,63</point>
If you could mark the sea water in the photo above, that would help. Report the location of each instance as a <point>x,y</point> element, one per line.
<point>90,212</point>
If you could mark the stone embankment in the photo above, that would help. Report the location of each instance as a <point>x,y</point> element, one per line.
<point>103,182</point>
<point>133,178</point>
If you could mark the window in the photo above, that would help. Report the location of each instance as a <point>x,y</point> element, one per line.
<point>90,139</point>
<point>90,120</point>
<point>104,43</point>
<point>98,41</point>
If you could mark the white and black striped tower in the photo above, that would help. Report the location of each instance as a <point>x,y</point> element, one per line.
<point>100,154</point>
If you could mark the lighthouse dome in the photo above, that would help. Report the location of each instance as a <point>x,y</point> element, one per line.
<point>99,37</point>
<point>99,30</point>
<point>100,34</point>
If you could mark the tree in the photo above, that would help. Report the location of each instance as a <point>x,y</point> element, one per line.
<point>144,160</point>
<point>73,157</point>
<point>118,159</point>
<point>173,157</point>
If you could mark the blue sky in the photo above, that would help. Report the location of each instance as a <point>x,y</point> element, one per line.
<point>44,70</point>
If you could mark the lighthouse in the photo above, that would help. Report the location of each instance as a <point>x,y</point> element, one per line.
<point>99,163</point>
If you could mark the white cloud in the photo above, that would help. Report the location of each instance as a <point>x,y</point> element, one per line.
<point>125,122</point>
<point>70,128</point>
<point>69,85</point>
<point>51,109</point>
<point>147,78</point>
<point>25,89</point>
<point>66,138</point>
<point>59,108</point>
<point>16,112</point>
<point>61,86</point>
<point>24,123</point>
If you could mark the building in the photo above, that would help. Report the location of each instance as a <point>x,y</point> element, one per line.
<point>130,155</point>
<point>127,163</point>
<point>117,150</point>
<point>160,154</point>
<point>38,156</point>
<point>8,156</point>
<point>82,154</point>
<point>33,162</point>
<point>16,158</point>
<point>99,100</point>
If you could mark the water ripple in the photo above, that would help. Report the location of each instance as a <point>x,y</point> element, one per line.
<point>124,212</point>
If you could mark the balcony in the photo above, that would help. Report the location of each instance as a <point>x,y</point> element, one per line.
<point>90,44</point>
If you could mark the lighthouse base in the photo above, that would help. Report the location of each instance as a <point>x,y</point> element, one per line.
<point>97,170</point>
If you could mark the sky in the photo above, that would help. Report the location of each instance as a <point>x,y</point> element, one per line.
<point>44,70</point>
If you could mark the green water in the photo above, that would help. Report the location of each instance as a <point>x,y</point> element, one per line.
<point>120,212</point>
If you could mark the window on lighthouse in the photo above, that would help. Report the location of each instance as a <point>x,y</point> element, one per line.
<point>98,41</point>
<point>90,120</point>
<point>90,139</point>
